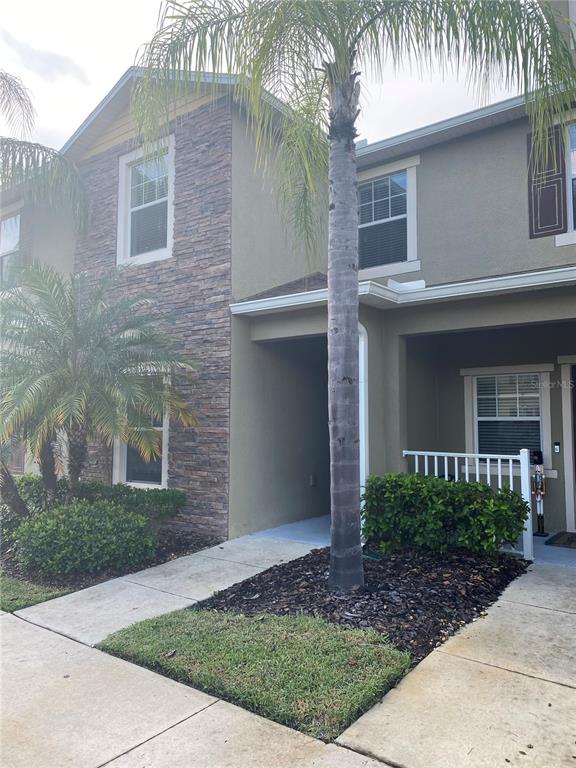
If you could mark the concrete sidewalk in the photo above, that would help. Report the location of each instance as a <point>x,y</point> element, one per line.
<point>502,692</point>
<point>66,705</point>
<point>90,615</point>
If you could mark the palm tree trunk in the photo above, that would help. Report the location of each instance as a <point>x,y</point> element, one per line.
<point>77,454</point>
<point>346,566</point>
<point>48,468</point>
<point>10,495</point>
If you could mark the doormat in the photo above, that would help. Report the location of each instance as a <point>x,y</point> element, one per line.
<point>562,539</point>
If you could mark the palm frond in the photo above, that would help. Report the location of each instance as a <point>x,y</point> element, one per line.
<point>273,48</point>
<point>74,357</point>
<point>44,175</point>
<point>15,104</point>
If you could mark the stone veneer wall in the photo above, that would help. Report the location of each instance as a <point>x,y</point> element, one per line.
<point>194,286</point>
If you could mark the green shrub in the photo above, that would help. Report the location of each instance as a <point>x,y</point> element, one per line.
<point>34,495</point>
<point>157,504</point>
<point>84,537</point>
<point>433,513</point>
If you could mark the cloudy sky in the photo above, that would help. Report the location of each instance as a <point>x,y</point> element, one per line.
<point>70,53</point>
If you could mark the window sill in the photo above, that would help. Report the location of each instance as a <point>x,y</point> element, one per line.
<point>145,258</point>
<point>388,270</point>
<point>568,238</point>
<point>146,486</point>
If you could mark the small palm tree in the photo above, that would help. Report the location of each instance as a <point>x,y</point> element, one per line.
<point>310,54</point>
<point>79,362</point>
<point>43,174</point>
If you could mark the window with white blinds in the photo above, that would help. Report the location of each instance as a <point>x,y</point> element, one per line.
<point>149,206</point>
<point>383,220</point>
<point>10,258</point>
<point>145,206</point>
<point>508,413</point>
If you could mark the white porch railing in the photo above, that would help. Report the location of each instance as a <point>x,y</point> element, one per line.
<point>482,468</point>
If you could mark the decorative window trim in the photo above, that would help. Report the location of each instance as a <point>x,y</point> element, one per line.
<point>470,420</point>
<point>123,257</point>
<point>568,237</point>
<point>411,263</point>
<point>119,461</point>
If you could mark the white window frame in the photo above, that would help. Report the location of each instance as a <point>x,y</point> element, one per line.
<point>119,461</point>
<point>411,263</point>
<point>568,237</point>
<point>11,213</point>
<point>126,162</point>
<point>470,404</point>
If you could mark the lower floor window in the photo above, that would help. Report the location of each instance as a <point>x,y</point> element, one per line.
<point>131,468</point>
<point>508,413</point>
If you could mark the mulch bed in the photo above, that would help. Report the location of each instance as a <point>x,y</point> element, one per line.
<point>417,599</point>
<point>172,543</point>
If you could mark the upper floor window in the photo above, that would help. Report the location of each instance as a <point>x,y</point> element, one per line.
<point>145,207</point>
<point>387,219</point>
<point>382,220</point>
<point>10,262</point>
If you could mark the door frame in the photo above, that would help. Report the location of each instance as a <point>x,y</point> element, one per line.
<point>567,362</point>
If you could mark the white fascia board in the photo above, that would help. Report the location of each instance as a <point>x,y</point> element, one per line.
<point>541,279</point>
<point>278,303</point>
<point>386,295</point>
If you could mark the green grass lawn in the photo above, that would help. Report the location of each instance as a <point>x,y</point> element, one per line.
<point>16,593</point>
<point>300,671</point>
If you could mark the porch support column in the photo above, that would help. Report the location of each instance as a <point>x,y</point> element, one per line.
<point>394,396</point>
<point>568,443</point>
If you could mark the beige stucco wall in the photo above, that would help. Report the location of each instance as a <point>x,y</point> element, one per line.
<point>53,238</point>
<point>264,251</point>
<point>472,210</point>
<point>279,461</point>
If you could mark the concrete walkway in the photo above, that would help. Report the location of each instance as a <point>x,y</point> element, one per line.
<point>502,692</point>
<point>90,615</point>
<point>66,704</point>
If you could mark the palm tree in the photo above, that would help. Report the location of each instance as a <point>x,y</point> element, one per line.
<point>42,174</point>
<point>77,361</point>
<point>304,59</point>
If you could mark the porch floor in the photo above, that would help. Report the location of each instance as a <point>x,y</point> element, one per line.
<point>553,555</point>
<point>315,531</point>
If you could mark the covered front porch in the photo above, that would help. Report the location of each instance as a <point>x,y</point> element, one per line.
<point>494,392</point>
<point>492,375</point>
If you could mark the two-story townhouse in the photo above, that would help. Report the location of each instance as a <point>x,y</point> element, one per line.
<point>466,290</point>
<point>468,321</point>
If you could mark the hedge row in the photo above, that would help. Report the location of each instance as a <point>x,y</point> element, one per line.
<point>412,510</point>
<point>105,526</point>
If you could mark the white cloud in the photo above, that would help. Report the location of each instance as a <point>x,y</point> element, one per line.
<point>48,65</point>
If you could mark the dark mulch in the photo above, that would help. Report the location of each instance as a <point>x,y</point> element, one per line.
<point>417,599</point>
<point>172,543</point>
